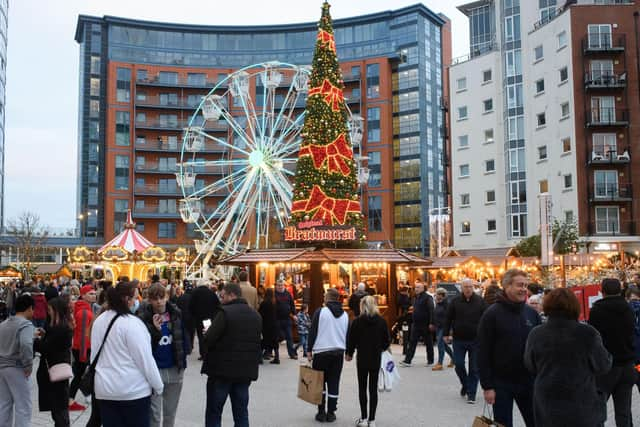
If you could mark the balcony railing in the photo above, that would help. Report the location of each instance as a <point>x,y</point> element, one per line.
<point>605,80</point>
<point>603,43</point>
<point>599,157</point>
<point>180,125</point>
<point>156,211</point>
<point>165,146</point>
<point>155,189</point>
<point>607,116</point>
<point>157,101</point>
<point>609,227</point>
<point>610,193</point>
<point>477,51</point>
<point>180,81</point>
<point>157,167</point>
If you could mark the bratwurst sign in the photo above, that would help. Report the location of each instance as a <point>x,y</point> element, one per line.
<point>321,233</point>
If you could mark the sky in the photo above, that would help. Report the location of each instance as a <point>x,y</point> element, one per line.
<point>42,80</point>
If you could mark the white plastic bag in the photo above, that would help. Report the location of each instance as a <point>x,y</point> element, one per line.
<point>389,375</point>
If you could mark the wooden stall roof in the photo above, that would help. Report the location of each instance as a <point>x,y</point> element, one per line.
<point>452,261</point>
<point>48,268</point>
<point>393,256</point>
<point>483,253</point>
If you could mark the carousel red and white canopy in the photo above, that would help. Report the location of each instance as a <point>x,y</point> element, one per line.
<point>129,240</point>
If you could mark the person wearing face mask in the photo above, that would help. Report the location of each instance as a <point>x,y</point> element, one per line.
<point>502,336</point>
<point>126,372</point>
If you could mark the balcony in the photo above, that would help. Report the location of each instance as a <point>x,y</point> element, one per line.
<point>218,126</point>
<point>610,157</point>
<point>610,193</point>
<point>157,190</point>
<point>175,147</point>
<point>179,82</point>
<point>606,227</point>
<point>351,77</point>
<point>607,117</point>
<point>154,167</point>
<point>603,43</point>
<point>160,102</point>
<point>156,211</point>
<point>607,80</point>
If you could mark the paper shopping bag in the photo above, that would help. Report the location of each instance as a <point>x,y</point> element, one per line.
<point>483,421</point>
<point>310,385</point>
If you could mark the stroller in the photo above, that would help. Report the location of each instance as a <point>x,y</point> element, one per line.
<point>401,331</point>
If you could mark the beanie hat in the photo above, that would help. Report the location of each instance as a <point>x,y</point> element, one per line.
<point>86,289</point>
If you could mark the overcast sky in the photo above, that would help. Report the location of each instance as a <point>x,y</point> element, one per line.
<point>42,79</point>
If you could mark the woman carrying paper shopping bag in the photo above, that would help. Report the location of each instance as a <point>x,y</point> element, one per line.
<point>369,335</point>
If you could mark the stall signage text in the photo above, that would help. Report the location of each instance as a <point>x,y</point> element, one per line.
<point>313,234</point>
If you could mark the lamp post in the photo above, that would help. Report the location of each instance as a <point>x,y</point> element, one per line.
<point>436,211</point>
<point>83,218</point>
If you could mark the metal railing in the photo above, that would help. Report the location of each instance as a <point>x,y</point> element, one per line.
<point>607,116</point>
<point>608,227</point>
<point>609,157</point>
<point>604,42</point>
<point>611,192</point>
<point>159,145</point>
<point>180,124</point>
<point>599,79</point>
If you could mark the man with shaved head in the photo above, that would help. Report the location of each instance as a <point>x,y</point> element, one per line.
<point>423,325</point>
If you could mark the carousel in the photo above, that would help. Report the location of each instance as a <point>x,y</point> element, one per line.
<point>129,254</point>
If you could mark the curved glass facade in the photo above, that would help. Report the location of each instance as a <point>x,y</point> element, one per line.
<point>408,39</point>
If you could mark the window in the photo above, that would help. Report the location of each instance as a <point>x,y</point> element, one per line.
<point>373,80</point>
<point>122,173</point>
<point>375,213</point>
<point>140,227</point>
<point>120,207</point>
<point>566,145</point>
<point>491,225</point>
<point>166,230</point>
<point>464,171</point>
<point>607,219</point>
<point>603,109</point>
<point>490,196</point>
<point>568,181</point>
<point>95,65</point>
<point>94,108</point>
<point>568,216</point>
<point>373,124</point>
<point>197,79</point>
<point>602,72</point>
<point>604,144</point>
<point>547,10</point>
<point>543,186</point>
<point>542,119</point>
<point>564,74</point>
<point>542,152</point>
<point>141,96</point>
<point>168,77</point>
<point>461,84</point>
<point>489,166</point>
<point>375,175</point>
<point>488,136</point>
<point>141,75</point>
<point>486,76</point>
<point>465,227</point>
<point>540,86</point>
<point>465,199</point>
<point>463,141</point>
<point>94,87</point>
<point>487,105</point>
<point>606,183</point>
<point>538,53</point>
<point>123,85</point>
<point>562,39</point>
<point>462,113</point>
<point>564,110</point>
<point>599,36</point>
<point>122,128</point>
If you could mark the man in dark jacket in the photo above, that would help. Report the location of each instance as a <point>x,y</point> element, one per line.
<point>203,305</point>
<point>183,303</point>
<point>613,318</point>
<point>232,356</point>
<point>463,316</point>
<point>285,312</point>
<point>422,326</point>
<point>502,336</point>
<point>354,299</point>
<point>327,342</point>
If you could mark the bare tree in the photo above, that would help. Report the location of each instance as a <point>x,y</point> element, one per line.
<point>28,236</point>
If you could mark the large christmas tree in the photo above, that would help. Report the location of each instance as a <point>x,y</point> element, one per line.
<point>325,185</point>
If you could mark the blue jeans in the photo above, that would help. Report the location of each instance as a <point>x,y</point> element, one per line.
<point>468,380</point>
<point>284,325</point>
<point>505,396</point>
<point>442,346</point>
<point>303,343</point>
<point>126,413</point>
<point>217,392</point>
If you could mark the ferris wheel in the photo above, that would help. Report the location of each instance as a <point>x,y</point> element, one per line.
<point>238,155</point>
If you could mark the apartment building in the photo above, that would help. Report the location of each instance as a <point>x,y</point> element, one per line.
<point>544,103</point>
<point>141,82</point>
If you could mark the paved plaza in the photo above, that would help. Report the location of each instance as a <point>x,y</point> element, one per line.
<point>423,399</point>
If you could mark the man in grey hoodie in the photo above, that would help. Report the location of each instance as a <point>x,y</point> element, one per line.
<point>16,361</point>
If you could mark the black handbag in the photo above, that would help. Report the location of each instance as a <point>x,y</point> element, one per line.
<point>87,380</point>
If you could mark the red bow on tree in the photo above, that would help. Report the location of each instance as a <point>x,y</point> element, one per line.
<point>333,96</point>
<point>335,154</point>
<point>327,38</point>
<point>329,210</point>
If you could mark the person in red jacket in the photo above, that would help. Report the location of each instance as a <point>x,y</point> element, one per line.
<point>81,345</point>
<point>39,309</point>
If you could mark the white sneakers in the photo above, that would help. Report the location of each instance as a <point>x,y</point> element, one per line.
<point>364,423</point>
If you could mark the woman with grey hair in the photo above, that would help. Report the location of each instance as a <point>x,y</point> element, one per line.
<point>440,319</point>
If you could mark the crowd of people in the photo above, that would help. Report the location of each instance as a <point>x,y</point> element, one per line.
<point>518,342</point>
